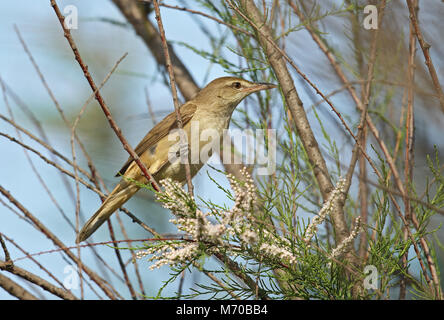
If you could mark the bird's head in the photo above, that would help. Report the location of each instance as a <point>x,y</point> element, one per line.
<point>227,92</point>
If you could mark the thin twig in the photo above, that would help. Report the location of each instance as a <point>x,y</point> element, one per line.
<point>44,144</point>
<point>409,135</point>
<point>184,157</point>
<point>133,258</point>
<point>53,98</point>
<point>100,100</point>
<point>50,274</point>
<point>31,163</point>
<point>5,249</point>
<point>42,283</point>
<point>72,140</point>
<point>275,55</point>
<point>203,14</point>
<point>44,230</point>
<point>150,35</point>
<point>86,184</point>
<point>390,162</point>
<point>425,47</point>
<point>120,261</point>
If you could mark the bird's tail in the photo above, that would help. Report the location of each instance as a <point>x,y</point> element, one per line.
<point>121,193</point>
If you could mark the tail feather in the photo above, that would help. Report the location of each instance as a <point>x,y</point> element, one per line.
<point>121,193</point>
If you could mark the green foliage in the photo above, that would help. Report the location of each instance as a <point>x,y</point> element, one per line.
<point>288,200</point>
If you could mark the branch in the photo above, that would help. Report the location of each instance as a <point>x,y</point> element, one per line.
<point>100,100</point>
<point>42,228</point>
<point>277,61</point>
<point>425,50</point>
<point>15,289</point>
<point>203,14</point>
<point>174,92</point>
<point>146,30</point>
<point>22,273</point>
<point>409,139</point>
<point>5,249</point>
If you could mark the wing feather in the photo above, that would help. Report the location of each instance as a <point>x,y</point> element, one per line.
<point>159,131</point>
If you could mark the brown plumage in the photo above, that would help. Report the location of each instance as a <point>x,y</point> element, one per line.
<point>211,108</point>
<point>167,124</point>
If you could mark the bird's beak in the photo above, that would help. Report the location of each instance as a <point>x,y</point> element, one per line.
<point>259,86</point>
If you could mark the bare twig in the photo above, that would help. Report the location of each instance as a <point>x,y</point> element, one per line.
<point>409,135</point>
<point>54,100</point>
<point>120,261</point>
<point>390,161</point>
<point>150,35</point>
<point>95,177</point>
<point>203,14</point>
<point>73,134</point>
<point>50,274</point>
<point>31,163</point>
<point>5,249</point>
<point>44,144</point>
<point>86,184</point>
<point>42,283</point>
<point>147,31</point>
<point>174,92</point>
<point>44,230</point>
<point>100,100</point>
<point>15,289</point>
<point>425,47</point>
<point>134,259</point>
<point>277,59</point>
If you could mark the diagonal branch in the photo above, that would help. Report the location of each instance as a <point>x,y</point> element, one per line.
<point>15,289</point>
<point>278,63</point>
<point>174,92</point>
<point>42,283</point>
<point>425,47</point>
<point>147,31</point>
<point>44,230</point>
<point>100,100</point>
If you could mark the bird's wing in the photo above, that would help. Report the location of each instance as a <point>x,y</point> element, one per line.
<point>159,131</point>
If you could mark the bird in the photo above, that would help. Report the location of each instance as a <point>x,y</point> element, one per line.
<point>210,109</point>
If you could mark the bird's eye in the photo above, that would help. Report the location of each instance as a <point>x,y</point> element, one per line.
<point>237,85</point>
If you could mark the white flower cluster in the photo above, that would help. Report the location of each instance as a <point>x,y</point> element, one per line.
<point>342,247</point>
<point>326,209</point>
<point>175,198</point>
<point>280,251</point>
<point>236,223</point>
<point>200,227</point>
<point>169,253</point>
<point>240,216</point>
